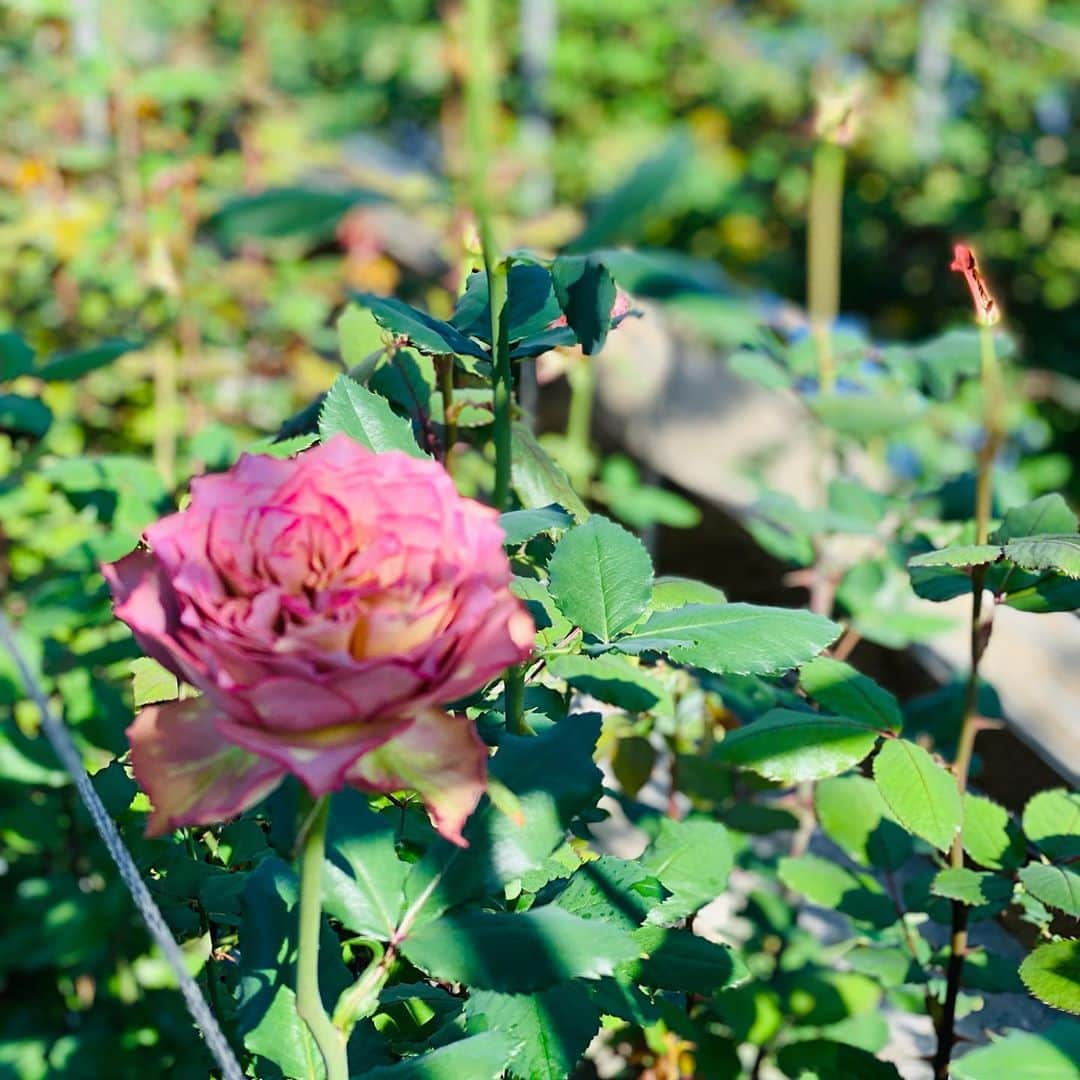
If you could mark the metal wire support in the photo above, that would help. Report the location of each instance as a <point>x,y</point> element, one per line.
<point>69,757</point>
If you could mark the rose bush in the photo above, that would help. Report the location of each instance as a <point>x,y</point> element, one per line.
<point>326,606</point>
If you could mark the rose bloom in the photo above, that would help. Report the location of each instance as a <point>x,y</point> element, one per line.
<point>326,606</point>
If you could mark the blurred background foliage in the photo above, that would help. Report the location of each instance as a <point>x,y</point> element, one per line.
<point>200,185</point>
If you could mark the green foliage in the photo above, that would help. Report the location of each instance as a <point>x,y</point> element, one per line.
<point>919,792</point>
<point>1052,974</point>
<point>791,746</point>
<point>353,410</point>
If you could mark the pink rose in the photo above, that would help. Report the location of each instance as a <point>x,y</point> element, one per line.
<point>326,606</point>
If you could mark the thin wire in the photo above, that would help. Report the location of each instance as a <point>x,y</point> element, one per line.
<point>69,756</point>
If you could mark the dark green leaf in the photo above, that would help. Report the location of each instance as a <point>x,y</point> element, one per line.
<point>792,746</point>
<point>24,416</point>
<point>68,366</point>
<point>553,777</point>
<point>586,293</point>
<point>367,418</point>
<point>1052,974</point>
<point>854,815</point>
<point>739,639</point>
<point>363,877</point>
<point>604,889</point>
<point>822,1059</point>
<point>941,575</point>
<point>829,885</point>
<point>1052,822</point>
<point>522,525</point>
<point>16,357</point>
<point>971,887</point>
<point>1060,554</point>
<point>479,1057</point>
<point>601,577</point>
<point>921,794</point>
<point>692,859</point>
<point>537,480</point>
<point>1049,1055</point>
<point>551,1030</point>
<point>517,953</point>
<point>680,960</point>
<point>990,836</point>
<point>424,332</point>
<point>286,211</point>
<point>843,690</point>
<point>1047,514</point>
<point>613,679</point>
<point>1058,886</point>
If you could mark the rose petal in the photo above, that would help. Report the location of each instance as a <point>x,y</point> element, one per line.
<point>439,756</point>
<point>320,756</point>
<point>192,775</point>
<point>145,600</point>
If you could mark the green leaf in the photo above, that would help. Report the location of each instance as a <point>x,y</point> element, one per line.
<point>273,447</point>
<point>286,211</point>
<point>68,366</point>
<point>971,887</point>
<point>586,293</point>
<point>16,357</point>
<point>941,575</point>
<point>553,778</point>
<point>867,416</point>
<point>530,306</point>
<point>829,885</point>
<point>843,690</point>
<point>692,859</point>
<point>152,683</point>
<point>990,835</point>
<point>604,889</point>
<point>267,945</point>
<point>733,639</point>
<point>537,480</point>
<point>619,215</point>
<point>822,1059</point>
<point>522,525</point>
<point>854,815</point>
<point>633,762</point>
<point>1051,821</point>
<point>360,341</point>
<point>424,332</point>
<point>1047,514</point>
<point>670,592</point>
<point>680,960</point>
<point>921,794</point>
<point>601,577</point>
<point>613,679</point>
<point>792,746</point>
<point>517,953</point>
<point>479,1057</point>
<point>1052,1054</point>
<point>367,418</point>
<point>551,1030</point>
<point>24,416</point>
<point>1061,554</point>
<point>1057,886</point>
<point>1052,974</point>
<point>363,878</point>
<point>551,624</point>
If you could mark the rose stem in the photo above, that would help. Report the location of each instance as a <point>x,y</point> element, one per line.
<point>309,1005</point>
<point>980,637</point>
<point>481,103</point>
<point>582,379</point>
<point>445,367</point>
<point>823,252</point>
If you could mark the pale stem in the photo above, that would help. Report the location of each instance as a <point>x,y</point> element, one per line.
<point>823,248</point>
<point>309,1005</point>
<point>993,425</point>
